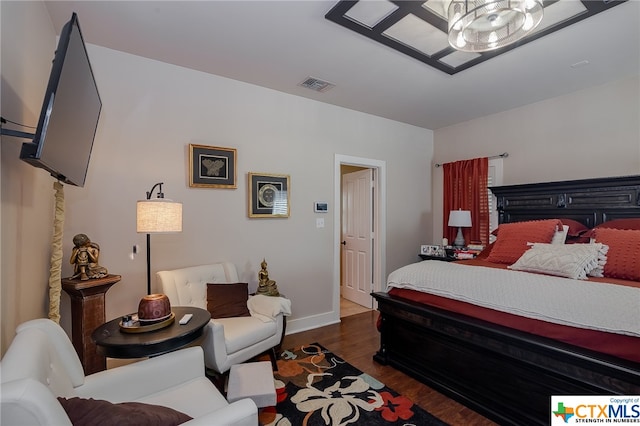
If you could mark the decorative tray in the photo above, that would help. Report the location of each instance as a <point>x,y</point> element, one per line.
<point>135,326</point>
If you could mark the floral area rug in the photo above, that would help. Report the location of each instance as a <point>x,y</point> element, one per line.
<point>315,387</point>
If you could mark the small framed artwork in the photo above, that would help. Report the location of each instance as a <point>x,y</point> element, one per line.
<point>269,195</point>
<point>430,250</point>
<point>212,167</point>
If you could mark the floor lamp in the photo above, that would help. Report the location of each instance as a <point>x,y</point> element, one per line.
<point>157,216</point>
<point>460,219</point>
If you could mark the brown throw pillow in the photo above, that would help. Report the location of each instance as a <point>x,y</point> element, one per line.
<point>92,412</point>
<point>228,300</point>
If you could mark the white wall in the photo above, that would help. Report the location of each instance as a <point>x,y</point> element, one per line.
<point>587,134</point>
<point>151,112</point>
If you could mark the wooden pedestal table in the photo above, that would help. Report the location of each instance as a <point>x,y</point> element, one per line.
<point>87,314</point>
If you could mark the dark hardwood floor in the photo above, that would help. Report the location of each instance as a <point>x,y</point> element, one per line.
<point>356,339</point>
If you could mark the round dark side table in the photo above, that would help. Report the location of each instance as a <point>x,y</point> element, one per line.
<point>112,342</point>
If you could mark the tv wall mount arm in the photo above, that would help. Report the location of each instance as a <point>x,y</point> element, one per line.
<point>15,133</point>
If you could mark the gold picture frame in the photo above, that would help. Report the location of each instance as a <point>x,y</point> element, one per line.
<point>269,195</point>
<point>212,167</point>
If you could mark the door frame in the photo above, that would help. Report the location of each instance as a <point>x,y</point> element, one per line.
<point>379,222</point>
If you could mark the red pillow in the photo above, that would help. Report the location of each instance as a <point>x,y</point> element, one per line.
<point>628,223</point>
<point>513,238</point>
<point>485,252</point>
<point>228,300</point>
<point>623,258</point>
<point>577,233</point>
<point>576,229</point>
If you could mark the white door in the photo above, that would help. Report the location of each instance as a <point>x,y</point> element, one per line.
<point>357,237</point>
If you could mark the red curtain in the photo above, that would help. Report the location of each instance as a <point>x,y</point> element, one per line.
<point>465,187</point>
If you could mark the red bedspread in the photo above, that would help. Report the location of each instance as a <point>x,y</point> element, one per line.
<point>618,345</point>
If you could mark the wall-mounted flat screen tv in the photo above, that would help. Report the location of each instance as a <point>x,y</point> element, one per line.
<point>69,117</point>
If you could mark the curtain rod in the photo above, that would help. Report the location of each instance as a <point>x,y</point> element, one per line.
<point>503,155</point>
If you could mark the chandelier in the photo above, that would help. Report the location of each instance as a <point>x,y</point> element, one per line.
<point>482,25</point>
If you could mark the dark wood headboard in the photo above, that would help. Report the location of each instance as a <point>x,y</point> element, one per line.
<point>590,201</point>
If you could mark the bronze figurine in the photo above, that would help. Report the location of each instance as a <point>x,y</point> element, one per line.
<point>84,258</point>
<point>265,285</point>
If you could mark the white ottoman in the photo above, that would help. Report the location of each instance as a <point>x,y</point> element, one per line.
<point>252,380</point>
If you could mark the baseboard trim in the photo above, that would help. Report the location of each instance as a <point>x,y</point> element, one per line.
<point>314,321</point>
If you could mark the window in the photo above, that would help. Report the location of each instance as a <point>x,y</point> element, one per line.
<point>494,178</point>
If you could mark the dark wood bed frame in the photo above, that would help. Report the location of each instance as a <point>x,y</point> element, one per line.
<point>505,374</point>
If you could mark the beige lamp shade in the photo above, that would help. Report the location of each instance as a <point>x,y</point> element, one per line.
<point>159,215</point>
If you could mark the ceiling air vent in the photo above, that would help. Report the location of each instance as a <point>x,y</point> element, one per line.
<point>316,84</point>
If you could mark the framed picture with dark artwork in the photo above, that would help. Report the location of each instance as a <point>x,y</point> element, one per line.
<point>269,195</point>
<point>212,167</point>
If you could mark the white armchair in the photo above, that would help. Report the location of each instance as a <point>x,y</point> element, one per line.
<point>228,341</point>
<point>41,365</point>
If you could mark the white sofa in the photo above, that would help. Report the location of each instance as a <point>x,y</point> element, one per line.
<point>228,341</point>
<point>41,365</point>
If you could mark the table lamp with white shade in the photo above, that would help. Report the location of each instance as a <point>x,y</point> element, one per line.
<point>460,219</point>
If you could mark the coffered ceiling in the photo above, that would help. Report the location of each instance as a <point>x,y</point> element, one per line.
<point>419,28</point>
<point>280,44</point>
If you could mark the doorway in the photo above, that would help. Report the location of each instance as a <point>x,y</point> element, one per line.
<point>364,251</point>
<point>357,235</point>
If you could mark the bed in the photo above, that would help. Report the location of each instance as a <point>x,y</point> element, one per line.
<point>506,364</point>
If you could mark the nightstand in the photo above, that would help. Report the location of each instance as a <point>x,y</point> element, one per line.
<point>441,258</point>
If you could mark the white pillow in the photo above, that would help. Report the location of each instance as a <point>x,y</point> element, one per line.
<point>598,271</point>
<point>563,260</point>
<point>561,235</point>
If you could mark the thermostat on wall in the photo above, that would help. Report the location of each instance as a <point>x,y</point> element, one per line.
<point>320,207</point>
